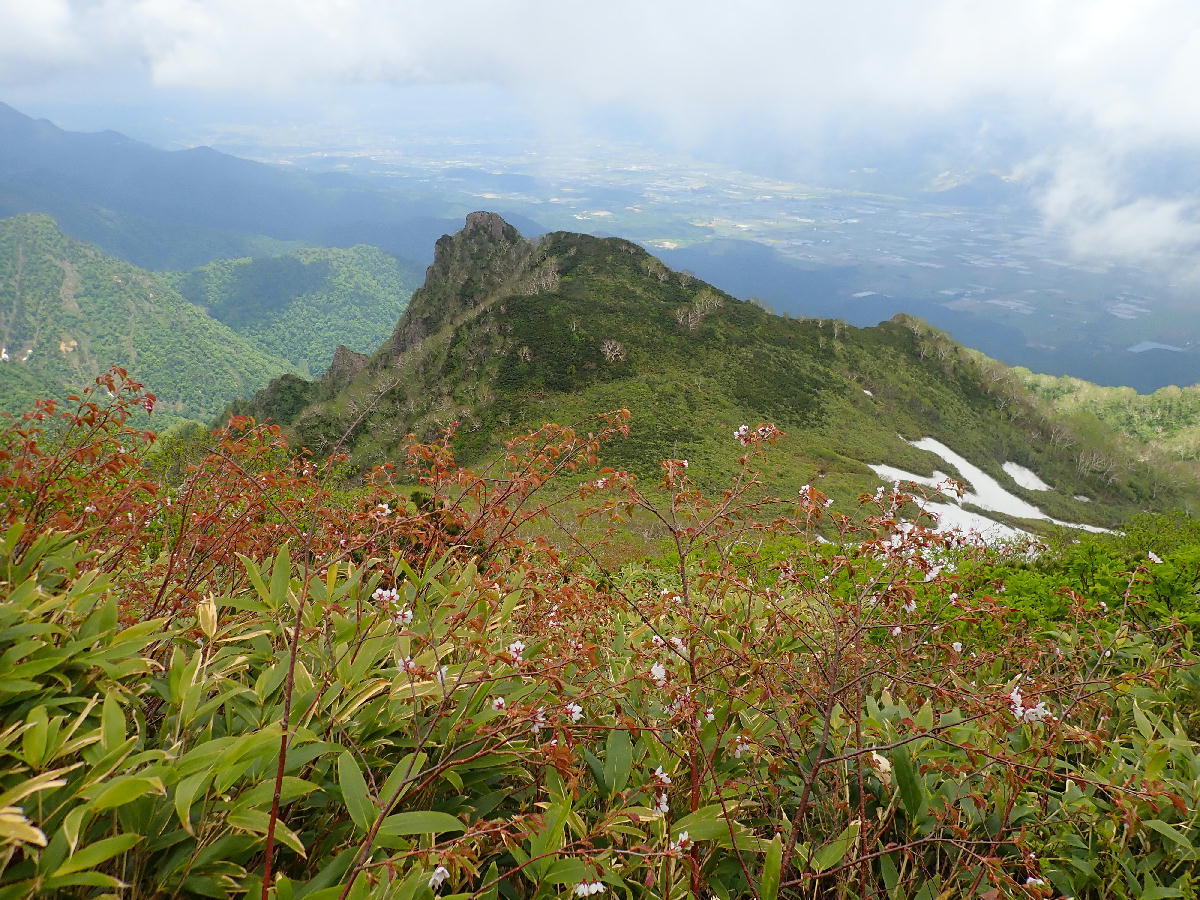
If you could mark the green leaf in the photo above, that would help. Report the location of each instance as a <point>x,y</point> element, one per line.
<point>835,851</point>
<point>768,885</point>
<point>565,871</point>
<point>618,760</point>
<point>281,576</point>
<point>705,824</point>
<point>1170,831</point>
<point>126,790</point>
<point>354,792</point>
<point>912,788</point>
<point>420,822</point>
<point>94,854</point>
<point>185,794</point>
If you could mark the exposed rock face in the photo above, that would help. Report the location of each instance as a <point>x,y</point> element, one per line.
<point>345,365</point>
<point>468,268</point>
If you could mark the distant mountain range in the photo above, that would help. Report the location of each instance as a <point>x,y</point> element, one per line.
<point>507,334</point>
<point>179,209</point>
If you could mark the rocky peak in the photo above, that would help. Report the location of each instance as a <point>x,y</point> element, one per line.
<point>468,268</point>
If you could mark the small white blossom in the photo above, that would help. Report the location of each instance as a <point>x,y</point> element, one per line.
<point>658,672</point>
<point>588,888</point>
<point>1034,882</point>
<point>957,645</point>
<point>383,509</point>
<point>681,843</point>
<point>498,704</point>
<point>386,595</point>
<point>574,711</point>
<point>660,776</point>
<point>910,606</point>
<point>896,631</point>
<point>539,720</point>
<point>660,803</point>
<point>515,649</point>
<point>1154,557</point>
<point>407,665</point>
<point>403,617</point>
<point>440,874</point>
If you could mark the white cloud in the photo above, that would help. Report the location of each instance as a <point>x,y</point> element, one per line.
<point>1108,73</point>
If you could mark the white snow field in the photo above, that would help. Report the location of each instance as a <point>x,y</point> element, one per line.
<point>1026,478</point>
<point>985,493</point>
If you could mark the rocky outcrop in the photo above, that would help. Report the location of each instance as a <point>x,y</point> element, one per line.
<point>345,365</point>
<point>468,267</point>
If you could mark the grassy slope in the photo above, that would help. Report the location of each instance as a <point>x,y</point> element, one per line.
<point>1169,418</point>
<point>301,305</point>
<point>521,359</point>
<point>77,311</point>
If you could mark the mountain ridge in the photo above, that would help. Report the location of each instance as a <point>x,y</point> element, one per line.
<point>508,333</point>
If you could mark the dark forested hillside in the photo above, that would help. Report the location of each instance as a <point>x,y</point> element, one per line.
<point>68,312</point>
<point>304,304</point>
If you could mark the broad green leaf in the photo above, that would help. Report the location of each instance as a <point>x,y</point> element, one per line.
<point>835,851</point>
<point>1170,831</point>
<point>618,760</point>
<point>354,792</point>
<point>768,885</point>
<point>126,790</point>
<point>420,822</point>
<point>185,795</point>
<point>94,854</point>
<point>912,789</point>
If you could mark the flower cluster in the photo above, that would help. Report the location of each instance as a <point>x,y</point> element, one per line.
<point>1030,715</point>
<point>587,888</point>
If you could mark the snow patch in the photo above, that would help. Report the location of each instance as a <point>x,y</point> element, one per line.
<point>1025,477</point>
<point>986,493</point>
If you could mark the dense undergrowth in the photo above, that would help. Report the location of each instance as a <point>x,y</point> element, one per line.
<point>235,681</point>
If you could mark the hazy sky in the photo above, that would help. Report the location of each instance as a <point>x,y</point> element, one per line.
<point>1086,99</point>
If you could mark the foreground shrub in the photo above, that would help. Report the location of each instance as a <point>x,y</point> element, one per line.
<point>258,693</point>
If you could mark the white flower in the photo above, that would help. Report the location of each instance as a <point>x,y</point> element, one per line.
<point>403,617</point>
<point>896,631</point>
<point>1029,715</point>
<point>659,673</point>
<point>710,715</point>
<point>740,746</point>
<point>383,509</point>
<point>515,649</point>
<point>660,803</point>
<point>683,462</point>
<point>587,888</point>
<point>957,645</point>
<point>90,508</point>
<point>660,776</point>
<point>933,573</point>
<point>679,645</point>
<point>440,874</point>
<point>658,640</point>
<point>498,704</point>
<point>742,435</point>
<point>407,665</point>
<point>574,711</point>
<point>1033,882</point>
<point>681,843</point>
<point>910,605</point>
<point>1154,557</point>
<point>539,720</point>
<point>386,595</point>
<point>601,483</point>
<point>440,675</point>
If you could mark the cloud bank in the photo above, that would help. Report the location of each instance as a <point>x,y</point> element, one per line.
<point>1116,78</point>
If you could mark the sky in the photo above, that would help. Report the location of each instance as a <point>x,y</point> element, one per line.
<point>1094,103</point>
